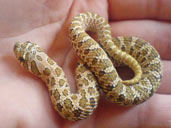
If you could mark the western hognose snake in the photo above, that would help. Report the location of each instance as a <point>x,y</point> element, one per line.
<point>95,68</point>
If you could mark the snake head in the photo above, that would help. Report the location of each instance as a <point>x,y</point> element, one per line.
<point>22,51</point>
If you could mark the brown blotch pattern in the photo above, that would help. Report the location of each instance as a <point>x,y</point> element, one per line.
<point>61,82</point>
<point>83,102</point>
<point>39,58</point>
<point>74,97</point>
<point>46,71</point>
<point>50,61</point>
<point>56,94</point>
<point>68,104</point>
<point>58,71</point>
<point>83,93</point>
<point>52,81</point>
<point>65,92</point>
<point>34,68</point>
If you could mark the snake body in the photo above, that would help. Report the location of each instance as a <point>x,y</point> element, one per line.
<point>96,68</point>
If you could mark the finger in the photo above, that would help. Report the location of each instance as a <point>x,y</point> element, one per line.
<point>165,87</point>
<point>153,113</point>
<point>157,33</point>
<point>22,16</point>
<point>132,9</point>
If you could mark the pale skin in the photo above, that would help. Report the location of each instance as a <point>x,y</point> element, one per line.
<point>24,97</point>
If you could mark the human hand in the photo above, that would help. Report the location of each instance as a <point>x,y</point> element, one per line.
<point>24,98</point>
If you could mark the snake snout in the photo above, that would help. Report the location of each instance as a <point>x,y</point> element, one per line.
<point>17,50</point>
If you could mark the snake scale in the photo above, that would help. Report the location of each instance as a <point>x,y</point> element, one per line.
<point>96,68</point>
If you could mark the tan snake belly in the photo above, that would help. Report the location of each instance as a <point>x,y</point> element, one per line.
<point>97,62</point>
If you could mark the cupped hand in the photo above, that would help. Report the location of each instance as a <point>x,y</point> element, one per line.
<point>24,100</point>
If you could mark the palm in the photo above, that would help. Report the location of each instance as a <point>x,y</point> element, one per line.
<point>24,98</point>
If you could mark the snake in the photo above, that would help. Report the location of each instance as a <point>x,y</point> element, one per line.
<point>96,70</point>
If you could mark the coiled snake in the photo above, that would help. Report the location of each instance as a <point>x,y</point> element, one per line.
<point>95,68</point>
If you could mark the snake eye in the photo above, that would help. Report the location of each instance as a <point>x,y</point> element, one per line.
<point>21,59</point>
